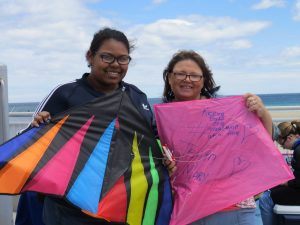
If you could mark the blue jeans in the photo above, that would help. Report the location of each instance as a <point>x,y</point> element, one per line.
<point>266,206</point>
<point>234,217</point>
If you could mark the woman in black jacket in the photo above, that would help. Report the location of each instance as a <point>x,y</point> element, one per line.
<point>108,59</point>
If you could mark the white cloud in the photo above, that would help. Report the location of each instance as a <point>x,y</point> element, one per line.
<point>297,11</point>
<point>199,30</point>
<point>238,44</point>
<point>47,46</point>
<point>158,1</point>
<point>158,41</point>
<point>257,82</point>
<point>44,45</point>
<point>292,51</point>
<point>287,59</point>
<point>265,4</point>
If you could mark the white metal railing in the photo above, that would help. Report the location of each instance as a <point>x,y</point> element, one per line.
<point>6,206</point>
<point>18,122</point>
<point>20,114</point>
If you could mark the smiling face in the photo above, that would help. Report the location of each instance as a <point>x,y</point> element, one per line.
<point>186,89</point>
<point>105,77</point>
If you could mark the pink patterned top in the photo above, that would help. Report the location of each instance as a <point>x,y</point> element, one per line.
<point>248,203</point>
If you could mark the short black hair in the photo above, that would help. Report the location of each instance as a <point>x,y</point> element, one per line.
<point>105,34</point>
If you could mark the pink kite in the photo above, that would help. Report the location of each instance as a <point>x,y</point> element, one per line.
<point>223,154</point>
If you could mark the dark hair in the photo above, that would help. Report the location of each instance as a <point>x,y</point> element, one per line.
<point>287,128</point>
<point>209,87</point>
<point>105,34</point>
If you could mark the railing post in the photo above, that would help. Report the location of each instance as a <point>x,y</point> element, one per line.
<point>6,215</point>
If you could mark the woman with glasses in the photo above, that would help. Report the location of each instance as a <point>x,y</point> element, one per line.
<point>108,59</point>
<point>287,193</point>
<point>188,77</point>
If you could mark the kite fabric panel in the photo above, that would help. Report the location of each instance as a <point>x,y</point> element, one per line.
<point>102,157</point>
<point>223,155</point>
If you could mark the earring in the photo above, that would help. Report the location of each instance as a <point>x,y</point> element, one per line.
<point>170,94</point>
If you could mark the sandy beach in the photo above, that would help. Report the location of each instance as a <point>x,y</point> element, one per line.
<point>280,114</point>
<point>293,115</point>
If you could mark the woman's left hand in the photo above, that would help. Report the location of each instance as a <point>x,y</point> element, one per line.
<point>255,105</point>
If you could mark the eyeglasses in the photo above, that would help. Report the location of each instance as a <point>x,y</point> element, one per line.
<point>282,140</point>
<point>122,60</point>
<point>183,76</point>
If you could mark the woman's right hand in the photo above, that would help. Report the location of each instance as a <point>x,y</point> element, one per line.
<point>171,166</point>
<point>40,117</point>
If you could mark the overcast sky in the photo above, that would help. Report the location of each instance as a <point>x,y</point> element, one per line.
<point>250,45</point>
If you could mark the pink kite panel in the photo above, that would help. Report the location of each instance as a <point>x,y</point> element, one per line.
<point>55,175</point>
<point>223,154</point>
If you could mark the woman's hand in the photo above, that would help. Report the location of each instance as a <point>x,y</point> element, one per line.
<point>255,104</point>
<point>40,117</point>
<point>171,165</point>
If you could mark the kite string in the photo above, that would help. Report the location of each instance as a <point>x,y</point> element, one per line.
<point>176,158</point>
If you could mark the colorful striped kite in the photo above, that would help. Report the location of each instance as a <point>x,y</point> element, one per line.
<point>102,157</point>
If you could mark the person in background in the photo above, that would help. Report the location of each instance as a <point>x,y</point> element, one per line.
<point>289,192</point>
<point>188,77</point>
<point>108,59</point>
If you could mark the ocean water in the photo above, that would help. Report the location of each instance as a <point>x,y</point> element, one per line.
<point>292,99</point>
<point>289,99</point>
